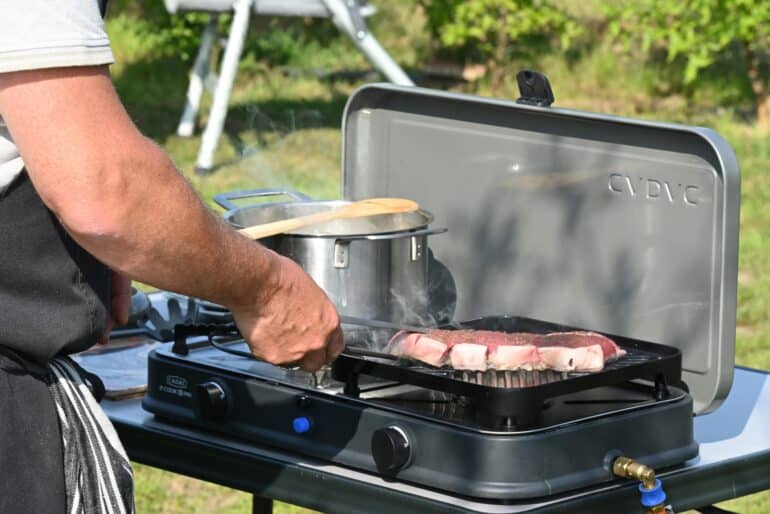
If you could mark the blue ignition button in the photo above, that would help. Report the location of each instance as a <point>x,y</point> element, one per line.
<point>301,425</point>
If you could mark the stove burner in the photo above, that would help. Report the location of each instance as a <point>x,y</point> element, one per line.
<point>518,398</point>
<point>208,313</point>
<point>499,399</point>
<point>510,379</point>
<point>457,443</point>
<point>159,318</point>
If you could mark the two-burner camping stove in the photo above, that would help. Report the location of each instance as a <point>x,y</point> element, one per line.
<point>498,435</point>
<point>620,226</point>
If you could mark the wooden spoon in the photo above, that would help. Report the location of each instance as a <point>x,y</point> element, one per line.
<point>360,209</point>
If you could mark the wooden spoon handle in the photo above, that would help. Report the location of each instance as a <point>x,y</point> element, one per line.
<point>287,225</point>
<point>370,207</point>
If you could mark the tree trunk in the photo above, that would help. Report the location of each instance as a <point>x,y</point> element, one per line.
<point>498,63</point>
<point>759,86</point>
<point>763,109</point>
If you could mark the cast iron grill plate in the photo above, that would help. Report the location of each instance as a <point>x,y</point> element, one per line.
<point>500,402</point>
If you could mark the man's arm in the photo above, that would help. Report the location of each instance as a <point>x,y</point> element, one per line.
<point>121,198</point>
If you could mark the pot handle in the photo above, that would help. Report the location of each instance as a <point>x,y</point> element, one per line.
<point>395,235</point>
<point>224,200</point>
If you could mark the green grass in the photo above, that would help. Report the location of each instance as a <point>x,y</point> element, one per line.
<point>162,492</point>
<point>283,131</point>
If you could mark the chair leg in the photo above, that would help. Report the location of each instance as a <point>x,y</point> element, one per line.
<point>232,55</point>
<point>373,50</point>
<point>200,71</point>
<point>347,18</point>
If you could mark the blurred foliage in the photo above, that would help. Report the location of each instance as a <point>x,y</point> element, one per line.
<point>480,25</point>
<point>704,51</point>
<point>167,35</point>
<point>699,33</point>
<point>697,30</point>
<point>273,41</point>
<point>496,30</point>
<point>285,41</point>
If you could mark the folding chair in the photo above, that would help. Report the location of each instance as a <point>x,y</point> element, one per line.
<point>348,16</point>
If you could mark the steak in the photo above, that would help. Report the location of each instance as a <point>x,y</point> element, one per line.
<point>430,350</point>
<point>479,350</point>
<point>610,350</point>
<point>469,356</point>
<point>514,357</point>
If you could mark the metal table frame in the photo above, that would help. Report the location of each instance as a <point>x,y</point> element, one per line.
<point>734,461</point>
<point>347,15</point>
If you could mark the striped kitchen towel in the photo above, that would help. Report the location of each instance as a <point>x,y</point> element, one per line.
<point>97,472</point>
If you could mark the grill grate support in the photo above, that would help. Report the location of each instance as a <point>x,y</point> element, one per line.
<point>517,398</point>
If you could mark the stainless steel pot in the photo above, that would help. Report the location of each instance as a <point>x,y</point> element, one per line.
<point>374,267</point>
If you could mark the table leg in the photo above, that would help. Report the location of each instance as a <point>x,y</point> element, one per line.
<point>261,505</point>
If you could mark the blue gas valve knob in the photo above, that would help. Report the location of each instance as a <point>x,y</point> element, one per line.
<point>301,425</point>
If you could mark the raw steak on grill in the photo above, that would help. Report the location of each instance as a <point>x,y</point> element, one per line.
<point>430,350</point>
<point>479,350</point>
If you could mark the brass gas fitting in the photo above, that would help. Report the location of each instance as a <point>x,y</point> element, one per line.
<point>653,498</point>
<point>629,468</point>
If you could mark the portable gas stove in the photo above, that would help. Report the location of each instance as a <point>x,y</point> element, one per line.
<point>456,431</point>
<point>621,226</point>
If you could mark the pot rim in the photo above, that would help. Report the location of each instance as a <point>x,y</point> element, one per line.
<point>426,215</point>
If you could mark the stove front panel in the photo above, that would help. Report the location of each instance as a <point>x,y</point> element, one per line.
<point>412,448</point>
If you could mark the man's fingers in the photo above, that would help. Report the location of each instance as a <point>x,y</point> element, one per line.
<point>120,303</point>
<point>313,361</point>
<point>121,298</point>
<point>336,346</point>
<point>106,336</point>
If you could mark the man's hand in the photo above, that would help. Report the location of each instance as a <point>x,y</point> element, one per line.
<point>297,324</point>
<point>120,303</point>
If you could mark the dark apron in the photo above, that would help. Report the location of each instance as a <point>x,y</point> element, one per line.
<point>54,299</point>
<point>54,295</point>
<point>30,442</point>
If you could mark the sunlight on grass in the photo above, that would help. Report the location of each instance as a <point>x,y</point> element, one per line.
<point>161,492</point>
<point>283,131</point>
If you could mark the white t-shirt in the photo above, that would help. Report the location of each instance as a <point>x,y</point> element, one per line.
<point>37,34</point>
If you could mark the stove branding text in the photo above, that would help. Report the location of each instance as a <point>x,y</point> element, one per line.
<point>653,189</point>
<point>176,386</point>
<point>175,381</point>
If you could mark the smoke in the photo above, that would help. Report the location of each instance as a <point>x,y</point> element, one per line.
<point>413,308</point>
<point>285,150</point>
<point>432,305</point>
<point>282,150</point>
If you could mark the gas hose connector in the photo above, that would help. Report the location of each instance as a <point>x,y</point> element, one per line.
<point>653,498</point>
<point>628,468</point>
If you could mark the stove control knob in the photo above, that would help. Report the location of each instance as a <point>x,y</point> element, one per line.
<point>301,425</point>
<point>391,449</point>
<point>210,401</point>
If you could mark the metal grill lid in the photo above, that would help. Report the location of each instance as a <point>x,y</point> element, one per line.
<point>619,225</point>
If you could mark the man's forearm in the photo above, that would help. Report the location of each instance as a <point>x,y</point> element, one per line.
<point>163,235</point>
<point>118,194</point>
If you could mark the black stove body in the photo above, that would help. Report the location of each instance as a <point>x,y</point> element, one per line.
<point>621,226</point>
<point>419,435</point>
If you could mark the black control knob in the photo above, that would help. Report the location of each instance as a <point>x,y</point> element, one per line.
<point>391,449</point>
<point>210,401</point>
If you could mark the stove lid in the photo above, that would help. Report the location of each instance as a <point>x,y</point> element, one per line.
<point>624,226</point>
